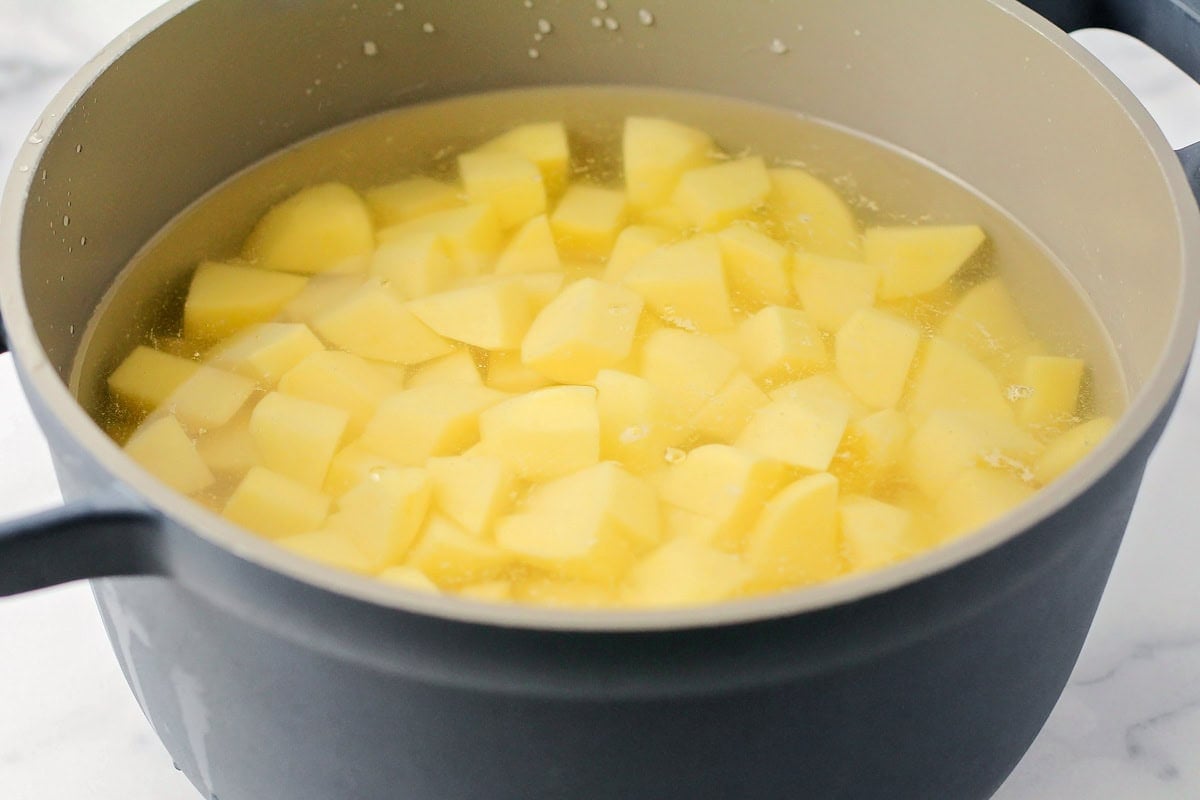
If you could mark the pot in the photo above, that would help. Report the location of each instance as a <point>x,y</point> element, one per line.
<point>266,675</point>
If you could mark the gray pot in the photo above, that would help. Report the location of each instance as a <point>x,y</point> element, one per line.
<point>268,676</point>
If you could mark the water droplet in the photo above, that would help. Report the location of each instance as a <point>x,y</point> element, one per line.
<point>376,473</point>
<point>646,17</point>
<point>66,220</point>
<point>533,52</point>
<point>399,6</point>
<point>674,455</point>
<point>428,27</point>
<point>316,81</point>
<point>23,168</point>
<point>857,32</point>
<point>370,48</point>
<point>528,3</point>
<point>634,433</point>
<point>1018,392</point>
<point>544,26</point>
<point>537,37</point>
<point>82,241</point>
<point>308,90</point>
<point>778,47</point>
<point>602,5</point>
<point>35,138</point>
<point>71,329</point>
<point>597,22</point>
<point>611,23</point>
<point>78,148</point>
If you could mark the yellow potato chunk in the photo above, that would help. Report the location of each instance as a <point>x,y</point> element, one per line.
<point>508,373</point>
<point>266,351</point>
<point>493,315</point>
<point>873,352</point>
<point>831,290</point>
<point>224,298</point>
<point>587,220</point>
<point>543,143</point>
<point>756,266</point>
<point>274,505</point>
<point>458,368</point>
<point>1063,452</point>
<point>318,229</point>
<point>163,448</point>
<point>384,514</point>
<point>546,433</point>
<point>413,197</point>
<point>209,398</point>
<point>435,420</point>
<point>724,416</point>
<point>977,496</point>
<point>687,368</point>
<point>779,343</point>
<point>319,294</point>
<point>333,548</point>
<point>799,434</point>
<point>987,322</point>
<point>451,556</point>
<point>409,578</point>
<point>915,260</point>
<point>531,249</point>
<point>352,465</point>
<point>147,377</point>
<point>604,490</point>
<point>874,533</point>
<point>655,153</point>
<point>472,234</point>
<point>472,490</point>
<point>684,283</point>
<point>951,378</point>
<point>631,245</point>
<point>297,437</point>
<point>879,438</point>
<point>512,185</point>
<point>712,197</point>
<point>341,380</point>
<point>413,266</point>
<point>813,215</point>
<point>373,324</point>
<point>795,540</point>
<point>587,328</point>
<point>488,591</point>
<point>635,426</point>
<point>822,391</point>
<point>950,441</point>
<point>685,572</point>
<point>229,449</point>
<point>1052,390</point>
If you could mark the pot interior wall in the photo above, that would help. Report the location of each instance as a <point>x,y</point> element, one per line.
<point>967,86</point>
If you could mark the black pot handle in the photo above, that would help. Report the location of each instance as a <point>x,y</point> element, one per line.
<point>87,538</point>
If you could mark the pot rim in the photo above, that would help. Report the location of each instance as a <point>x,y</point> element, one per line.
<point>42,382</point>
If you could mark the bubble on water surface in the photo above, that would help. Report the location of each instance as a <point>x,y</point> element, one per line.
<point>778,47</point>
<point>370,48</point>
<point>645,16</point>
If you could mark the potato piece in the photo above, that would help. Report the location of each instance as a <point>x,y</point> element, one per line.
<point>635,427</point>
<point>725,415</point>
<point>546,433</point>
<point>1053,396</point>
<point>373,324</point>
<point>778,344</point>
<point>822,391</point>
<point>831,290</point>
<point>435,420</point>
<point>413,266</point>
<point>543,143</point>
<point>297,438</point>
<point>163,448</point>
<point>409,578</point>
<point>209,398</point>
<point>332,548</point>
<point>531,249</point>
<point>587,220</point>
<point>685,572</point>
<point>487,591</point>
<point>352,465</point>
<point>814,216</point>
<point>266,351</point>
<point>712,197</point>
<point>493,315</point>
<point>451,556</point>
<point>951,378</point>
<point>229,449</point>
<point>684,283</point>
<point>795,540</point>
<point>222,299</point>
<point>916,260</point>
<point>587,328</point>
<point>874,351</point>
<point>631,245</point>
<point>987,322</point>
<point>472,234</point>
<point>512,185</point>
<point>274,505</point>
<point>384,514</point>
<point>687,368</point>
<point>147,377</point>
<point>878,439</point>
<point>318,229</point>
<point>802,435</point>
<point>655,153</point>
<point>950,441</point>
<point>977,496</point>
<point>508,373</point>
<point>1062,453</point>
<point>341,380</point>
<point>756,266</point>
<point>875,534</point>
<point>458,368</point>
<point>320,293</point>
<point>564,593</point>
<point>410,198</point>
<point>472,490</point>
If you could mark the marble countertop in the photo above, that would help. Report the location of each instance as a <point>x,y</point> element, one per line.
<point>1128,725</point>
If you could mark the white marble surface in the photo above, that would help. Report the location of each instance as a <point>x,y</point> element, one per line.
<point>1127,727</point>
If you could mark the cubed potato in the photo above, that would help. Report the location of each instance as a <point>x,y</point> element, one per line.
<point>684,283</point>
<point>668,217</point>
<point>977,496</point>
<point>756,267</point>
<point>341,380</point>
<point>451,556</point>
<point>949,377</point>
<point>814,216</point>
<point>687,368</point>
<point>655,153</point>
<point>779,344</point>
<point>681,523</point>
<point>458,368</point>
<point>874,351</point>
<point>874,533</point>
<point>1068,448</point>
<point>605,489</point>
<point>147,377</point>
<point>587,220</point>
<point>950,441</point>
<point>274,505</point>
<point>713,196</point>
<point>407,199</point>
<point>822,391</point>
<point>539,287</point>
<point>635,426</point>
<point>685,572</point>
<point>435,420</point>
<point>373,324</point>
<point>297,437</point>
<point>413,266</point>
<point>508,373</point>
<point>224,298</point>
<point>319,294</point>
<point>796,538</point>
<point>229,449</point>
<point>631,245</point>
<point>163,448</point>
<point>352,465</point>
<point>384,514</point>
<point>332,548</point>
<point>564,593</point>
<point>916,259</point>
<point>493,315</point>
<point>725,416</point>
<point>543,143</point>
<point>565,546</point>
<point>472,234</point>
<point>587,328</point>
<point>472,490</point>
<point>266,351</point>
<point>987,322</point>
<point>318,229</point>
<point>878,439</point>
<point>487,591</point>
<point>209,398</point>
<point>546,433</point>
<point>409,578</point>
<point>531,249</point>
<point>511,184</point>
<point>831,290</point>
<point>799,434</point>
<point>1052,390</point>
<point>726,484</point>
